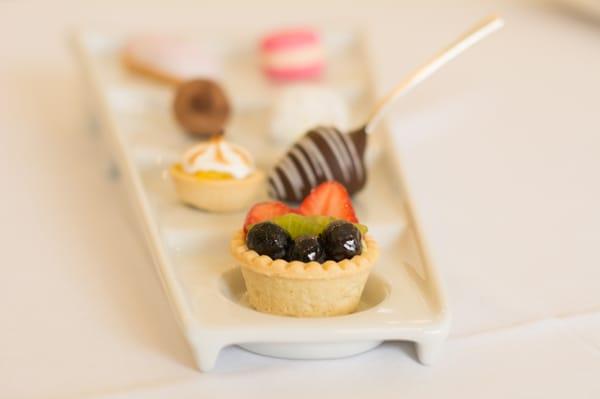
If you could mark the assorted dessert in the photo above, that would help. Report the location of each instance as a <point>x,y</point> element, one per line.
<point>213,175</point>
<point>293,54</point>
<point>201,107</point>
<point>323,153</point>
<point>168,59</point>
<point>311,117</point>
<point>312,261</point>
<point>217,176</point>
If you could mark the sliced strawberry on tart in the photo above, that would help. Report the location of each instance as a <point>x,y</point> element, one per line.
<point>265,211</point>
<point>329,199</point>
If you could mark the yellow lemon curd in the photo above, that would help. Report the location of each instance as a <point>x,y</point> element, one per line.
<point>207,174</point>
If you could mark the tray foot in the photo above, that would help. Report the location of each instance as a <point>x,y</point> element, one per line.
<point>429,350</point>
<point>206,355</point>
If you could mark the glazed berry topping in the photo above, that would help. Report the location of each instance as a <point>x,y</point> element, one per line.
<point>306,249</point>
<point>269,239</point>
<point>341,240</point>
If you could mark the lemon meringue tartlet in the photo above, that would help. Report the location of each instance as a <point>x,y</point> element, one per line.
<point>304,289</point>
<point>217,176</point>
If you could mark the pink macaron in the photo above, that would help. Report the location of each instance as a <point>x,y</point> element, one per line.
<point>293,54</point>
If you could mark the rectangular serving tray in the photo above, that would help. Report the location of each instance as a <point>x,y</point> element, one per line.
<point>403,299</point>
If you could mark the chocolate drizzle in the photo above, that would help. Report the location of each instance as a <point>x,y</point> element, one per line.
<point>323,154</point>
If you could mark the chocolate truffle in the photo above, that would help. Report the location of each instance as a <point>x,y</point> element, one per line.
<point>322,154</point>
<point>201,107</point>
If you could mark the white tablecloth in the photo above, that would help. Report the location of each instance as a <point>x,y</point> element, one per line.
<point>501,149</point>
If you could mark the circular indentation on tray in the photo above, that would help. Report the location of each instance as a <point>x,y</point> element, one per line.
<point>233,288</point>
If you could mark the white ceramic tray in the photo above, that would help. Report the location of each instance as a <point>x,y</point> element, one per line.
<point>403,298</point>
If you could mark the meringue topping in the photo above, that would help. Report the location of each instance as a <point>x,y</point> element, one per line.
<point>218,156</point>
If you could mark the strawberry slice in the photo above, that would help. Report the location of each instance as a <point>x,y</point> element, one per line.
<point>329,199</point>
<point>265,211</point>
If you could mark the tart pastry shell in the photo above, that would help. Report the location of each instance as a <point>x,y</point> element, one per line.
<point>304,289</point>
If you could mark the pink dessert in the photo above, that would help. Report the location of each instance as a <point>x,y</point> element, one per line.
<point>293,54</point>
<point>170,59</point>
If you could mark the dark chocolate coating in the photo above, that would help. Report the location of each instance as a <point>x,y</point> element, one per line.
<point>201,107</point>
<point>324,153</point>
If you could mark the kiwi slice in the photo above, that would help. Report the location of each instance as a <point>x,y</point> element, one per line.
<point>299,225</point>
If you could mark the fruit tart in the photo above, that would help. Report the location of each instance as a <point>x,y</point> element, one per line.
<point>217,176</point>
<point>312,261</point>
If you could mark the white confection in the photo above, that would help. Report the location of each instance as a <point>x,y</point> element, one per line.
<point>294,58</point>
<point>218,156</point>
<point>299,108</point>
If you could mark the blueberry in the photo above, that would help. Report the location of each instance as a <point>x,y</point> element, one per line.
<point>306,249</point>
<point>341,240</point>
<point>269,239</point>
